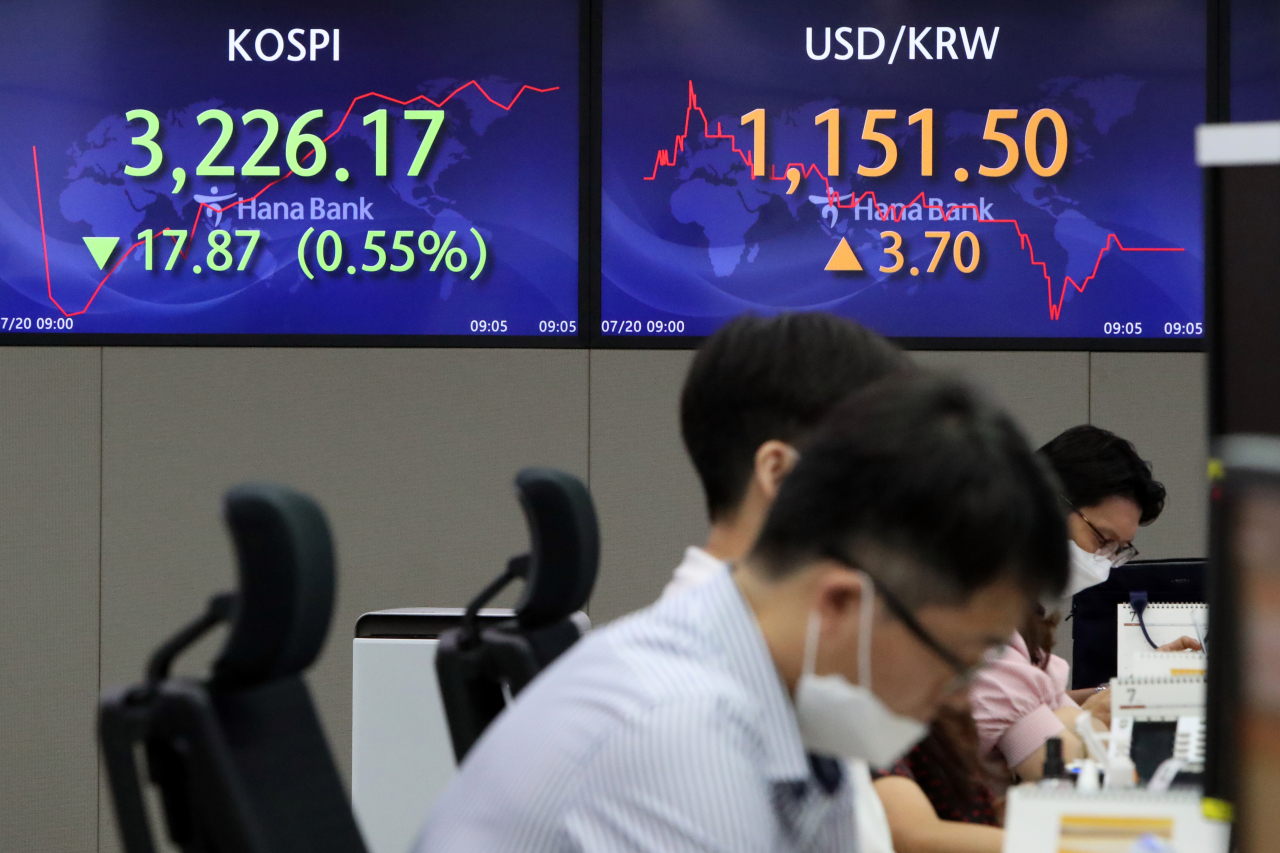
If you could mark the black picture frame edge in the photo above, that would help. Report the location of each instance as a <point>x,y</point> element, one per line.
<point>563,342</point>
<point>592,154</point>
<point>284,341</point>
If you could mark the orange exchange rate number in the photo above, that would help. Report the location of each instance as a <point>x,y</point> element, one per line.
<point>831,118</point>
<point>896,261</point>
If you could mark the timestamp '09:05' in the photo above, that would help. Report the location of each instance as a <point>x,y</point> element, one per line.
<point>1127,328</point>
<point>641,327</point>
<point>1135,328</point>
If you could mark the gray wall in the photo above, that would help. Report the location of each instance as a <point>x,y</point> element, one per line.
<point>115,461</point>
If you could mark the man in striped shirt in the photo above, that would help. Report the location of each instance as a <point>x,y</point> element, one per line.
<point>755,393</point>
<point>906,543</point>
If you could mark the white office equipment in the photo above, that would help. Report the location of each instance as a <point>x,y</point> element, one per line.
<point>1153,664</point>
<point>1177,700</point>
<point>401,753</point>
<point>1189,744</point>
<point>1164,623</point>
<point>1157,698</point>
<point>1095,742</point>
<point>1040,820</point>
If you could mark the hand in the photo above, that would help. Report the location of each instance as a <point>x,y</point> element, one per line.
<point>1182,644</point>
<point>1099,704</point>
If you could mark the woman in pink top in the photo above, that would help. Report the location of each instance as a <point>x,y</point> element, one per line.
<point>1022,700</point>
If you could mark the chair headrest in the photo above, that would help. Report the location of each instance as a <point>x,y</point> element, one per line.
<point>565,546</point>
<point>286,585</point>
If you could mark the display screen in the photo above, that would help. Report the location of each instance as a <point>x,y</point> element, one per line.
<point>287,168</point>
<point>931,169</point>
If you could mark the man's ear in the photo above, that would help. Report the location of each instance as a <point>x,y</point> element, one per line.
<point>774,461</point>
<point>838,594</point>
<point>837,599</point>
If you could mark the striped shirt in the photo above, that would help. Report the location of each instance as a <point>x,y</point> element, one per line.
<point>694,570</point>
<point>669,731</point>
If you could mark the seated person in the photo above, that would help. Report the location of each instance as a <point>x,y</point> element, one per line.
<point>943,795</point>
<point>713,720</point>
<point>754,394</point>
<point>1022,700</point>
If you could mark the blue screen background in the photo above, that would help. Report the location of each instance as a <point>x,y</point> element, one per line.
<point>703,241</point>
<point>71,69</point>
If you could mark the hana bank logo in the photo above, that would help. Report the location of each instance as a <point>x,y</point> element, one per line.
<point>870,43</point>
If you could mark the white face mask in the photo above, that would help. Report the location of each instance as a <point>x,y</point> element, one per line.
<point>1086,570</point>
<point>840,720</point>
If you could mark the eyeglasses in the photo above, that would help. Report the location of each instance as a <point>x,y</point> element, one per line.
<point>1111,549</point>
<point>965,673</point>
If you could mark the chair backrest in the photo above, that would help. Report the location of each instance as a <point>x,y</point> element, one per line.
<point>480,669</point>
<point>240,759</point>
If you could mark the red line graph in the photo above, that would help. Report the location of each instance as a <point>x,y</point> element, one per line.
<point>895,211</point>
<point>203,205</point>
<point>666,158</point>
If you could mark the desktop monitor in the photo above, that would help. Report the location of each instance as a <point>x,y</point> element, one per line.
<point>985,174</point>
<point>1093,611</point>
<point>319,172</point>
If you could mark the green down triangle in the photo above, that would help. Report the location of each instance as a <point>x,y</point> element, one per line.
<point>101,248</point>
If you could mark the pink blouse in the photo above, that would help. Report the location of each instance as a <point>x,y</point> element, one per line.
<point>1014,701</point>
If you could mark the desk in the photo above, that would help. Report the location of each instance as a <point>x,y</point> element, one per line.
<point>1048,821</point>
<point>401,753</point>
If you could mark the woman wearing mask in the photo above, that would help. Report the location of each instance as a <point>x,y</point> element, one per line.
<point>1022,700</point>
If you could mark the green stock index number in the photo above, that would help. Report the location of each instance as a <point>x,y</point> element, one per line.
<point>328,251</point>
<point>304,152</point>
<point>219,257</point>
<point>378,118</point>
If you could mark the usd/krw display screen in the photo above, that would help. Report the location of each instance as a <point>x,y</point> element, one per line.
<point>287,168</point>
<point>932,169</point>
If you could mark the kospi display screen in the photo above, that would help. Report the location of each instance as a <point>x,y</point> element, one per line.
<point>936,170</point>
<point>288,168</point>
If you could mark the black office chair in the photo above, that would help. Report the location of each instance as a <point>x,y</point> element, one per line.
<point>481,669</point>
<point>240,759</point>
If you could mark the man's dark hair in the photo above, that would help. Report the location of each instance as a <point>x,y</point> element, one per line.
<point>930,488</point>
<point>1094,464</point>
<point>759,379</point>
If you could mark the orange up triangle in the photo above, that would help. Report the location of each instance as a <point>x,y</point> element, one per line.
<point>843,259</point>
